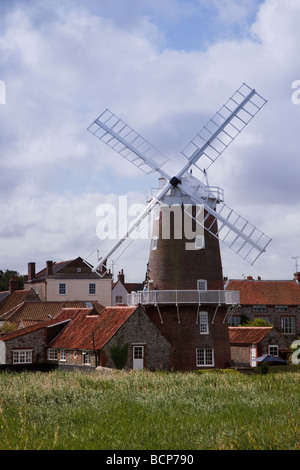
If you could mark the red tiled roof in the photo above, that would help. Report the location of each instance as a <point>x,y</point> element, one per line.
<point>29,312</point>
<point>86,324</point>
<point>16,298</point>
<point>247,334</point>
<point>254,292</point>
<point>31,329</point>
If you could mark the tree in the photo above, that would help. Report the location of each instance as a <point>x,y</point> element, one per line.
<point>257,322</point>
<point>5,277</point>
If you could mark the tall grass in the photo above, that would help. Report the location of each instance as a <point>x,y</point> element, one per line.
<point>151,411</point>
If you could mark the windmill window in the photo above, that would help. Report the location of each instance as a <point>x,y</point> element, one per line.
<point>199,242</point>
<point>154,243</point>
<point>202,284</point>
<point>204,323</point>
<point>204,357</point>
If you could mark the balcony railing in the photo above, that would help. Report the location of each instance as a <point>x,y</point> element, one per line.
<point>181,297</point>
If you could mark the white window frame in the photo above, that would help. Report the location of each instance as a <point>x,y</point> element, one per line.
<point>62,286</point>
<point>234,321</point>
<point>203,322</point>
<point>201,284</point>
<point>22,356</point>
<point>86,358</point>
<point>281,308</point>
<point>63,355</point>
<point>199,242</point>
<point>154,243</point>
<point>92,287</point>
<point>259,308</point>
<point>205,357</point>
<point>288,325</point>
<point>119,299</point>
<point>273,350</point>
<point>52,354</point>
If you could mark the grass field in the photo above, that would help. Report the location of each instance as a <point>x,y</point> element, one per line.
<point>149,411</point>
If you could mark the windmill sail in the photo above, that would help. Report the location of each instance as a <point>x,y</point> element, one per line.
<point>123,139</point>
<point>224,127</point>
<point>234,231</point>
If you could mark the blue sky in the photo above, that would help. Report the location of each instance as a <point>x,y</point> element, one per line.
<point>165,67</point>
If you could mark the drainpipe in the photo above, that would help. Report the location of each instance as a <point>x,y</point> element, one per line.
<point>95,352</point>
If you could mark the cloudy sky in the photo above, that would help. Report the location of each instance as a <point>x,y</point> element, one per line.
<point>165,68</point>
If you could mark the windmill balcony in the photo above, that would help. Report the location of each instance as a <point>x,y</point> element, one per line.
<point>184,297</point>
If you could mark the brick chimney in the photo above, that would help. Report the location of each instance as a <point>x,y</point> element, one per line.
<point>31,271</point>
<point>49,268</point>
<point>13,284</point>
<point>121,276</point>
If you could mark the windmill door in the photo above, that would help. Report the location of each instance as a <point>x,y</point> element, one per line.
<point>138,357</point>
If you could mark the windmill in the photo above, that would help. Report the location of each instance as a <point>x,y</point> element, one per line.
<point>214,220</point>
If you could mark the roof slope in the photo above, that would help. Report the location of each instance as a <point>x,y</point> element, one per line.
<point>29,313</point>
<point>248,334</point>
<point>65,316</point>
<point>16,298</point>
<point>88,325</point>
<point>266,292</point>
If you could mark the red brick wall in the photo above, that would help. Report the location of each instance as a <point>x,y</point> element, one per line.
<point>185,336</point>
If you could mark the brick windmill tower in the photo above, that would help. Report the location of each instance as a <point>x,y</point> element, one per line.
<point>185,296</point>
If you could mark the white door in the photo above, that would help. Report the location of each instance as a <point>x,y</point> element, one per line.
<point>138,357</point>
<point>253,356</point>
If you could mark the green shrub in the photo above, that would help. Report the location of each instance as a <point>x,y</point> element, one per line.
<point>119,355</point>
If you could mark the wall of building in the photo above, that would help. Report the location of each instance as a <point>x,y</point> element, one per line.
<point>34,341</point>
<point>77,289</point>
<point>274,317</point>
<point>119,291</point>
<point>185,336</point>
<point>139,330</point>
<point>240,355</point>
